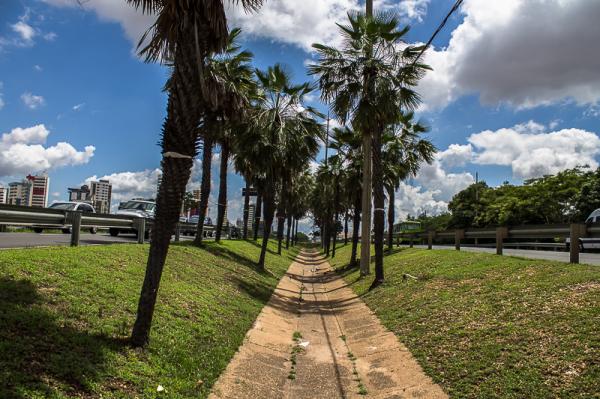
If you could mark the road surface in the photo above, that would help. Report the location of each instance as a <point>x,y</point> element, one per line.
<point>25,240</point>
<point>586,258</point>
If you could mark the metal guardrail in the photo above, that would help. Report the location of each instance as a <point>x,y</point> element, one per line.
<point>573,232</point>
<point>14,215</point>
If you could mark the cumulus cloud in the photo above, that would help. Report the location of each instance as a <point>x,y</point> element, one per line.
<point>512,52</point>
<point>456,155</point>
<point>413,200</point>
<point>534,152</point>
<point>25,31</point>
<point>128,185</point>
<point>32,101</point>
<point>286,21</point>
<point>22,151</point>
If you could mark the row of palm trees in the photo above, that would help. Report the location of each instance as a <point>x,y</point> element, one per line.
<point>261,121</point>
<point>369,83</point>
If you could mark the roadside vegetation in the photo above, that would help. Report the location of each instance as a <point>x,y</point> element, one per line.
<point>486,326</point>
<point>66,315</point>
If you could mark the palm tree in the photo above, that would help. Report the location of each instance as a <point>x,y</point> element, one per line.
<point>281,139</point>
<point>403,154</point>
<point>368,82</point>
<point>182,36</point>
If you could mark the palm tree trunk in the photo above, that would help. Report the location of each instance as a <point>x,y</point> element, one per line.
<point>346,217</point>
<point>280,226</point>
<point>222,189</point>
<point>179,146</point>
<point>379,212</point>
<point>355,232</point>
<point>365,248</point>
<point>391,217</point>
<point>257,212</point>
<point>246,210</point>
<point>289,231</point>
<point>269,212</point>
<point>204,187</point>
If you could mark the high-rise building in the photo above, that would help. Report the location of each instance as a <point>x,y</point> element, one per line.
<point>20,193</point>
<point>39,192</point>
<point>101,195</point>
<point>2,195</point>
<point>196,194</point>
<point>225,221</point>
<point>82,194</point>
<point>251,215</point>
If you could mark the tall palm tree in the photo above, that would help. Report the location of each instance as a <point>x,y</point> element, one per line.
<point>403,153</point>
<point>281,139</point>
<point>182,36</point>
<point>368,81</point>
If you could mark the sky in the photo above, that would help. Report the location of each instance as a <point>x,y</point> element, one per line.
<point>513,95</point>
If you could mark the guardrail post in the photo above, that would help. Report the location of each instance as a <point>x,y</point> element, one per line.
<point>458,235</point>
<point>74,219</point>
<point>177,232</point>
<point>577,231</point>
<point>430,236</point>
<point>501,234</point>
<point>141,230</point>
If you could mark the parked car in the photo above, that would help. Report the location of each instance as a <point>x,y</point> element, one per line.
<point>68,206</point>
<point>135,208</point>
<point>586,243</point>
<point>196,218</point>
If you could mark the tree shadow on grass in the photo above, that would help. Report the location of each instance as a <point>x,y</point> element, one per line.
<point>223,252</point>
<point>259,245</point>
<point>41,354</point>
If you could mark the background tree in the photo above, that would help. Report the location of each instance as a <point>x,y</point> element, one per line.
<point>368,82</point>
<point>282,138</point>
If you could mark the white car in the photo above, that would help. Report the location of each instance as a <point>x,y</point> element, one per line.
<point>68,206</point>
<point>584,242</point>
<point>135,208</point>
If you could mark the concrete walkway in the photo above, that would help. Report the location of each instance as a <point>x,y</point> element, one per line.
<point>316,339</point>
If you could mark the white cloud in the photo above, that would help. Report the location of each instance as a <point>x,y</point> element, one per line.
<point>413,200</point>
<point>38,68</point>
<point>128,185</point>
<point>25,31</point>
<point>524,53</point>
<point>50,36</point>
<point>78,107</point>
<point>300,23</point>
<point>32,101</point>
<point>1,100</point>
<point>534,153</point>
<point>22,151</point>
<point>134,23</point>
<point>456,155</point>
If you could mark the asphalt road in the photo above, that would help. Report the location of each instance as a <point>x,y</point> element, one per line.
<point>587,258</point>
<point>26,240</point>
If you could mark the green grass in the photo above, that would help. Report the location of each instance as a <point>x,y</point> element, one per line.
<point>65,315</point>
<point>485,326</point>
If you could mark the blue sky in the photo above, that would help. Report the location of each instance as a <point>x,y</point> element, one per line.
<point>510,96</point>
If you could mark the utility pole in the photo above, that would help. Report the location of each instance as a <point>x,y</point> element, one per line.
<point>365,242</point>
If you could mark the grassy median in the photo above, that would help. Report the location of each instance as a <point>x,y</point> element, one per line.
<point>485,326</point>
<point>66,313</point>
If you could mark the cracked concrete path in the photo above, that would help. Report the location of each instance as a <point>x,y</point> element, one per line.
<point>316,339</point>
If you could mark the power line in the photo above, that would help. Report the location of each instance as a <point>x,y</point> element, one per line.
<point>455,7</point>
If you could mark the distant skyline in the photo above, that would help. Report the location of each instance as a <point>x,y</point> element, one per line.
<point>514,93</point>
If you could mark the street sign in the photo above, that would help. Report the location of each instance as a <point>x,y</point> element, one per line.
<point>252,192</point>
